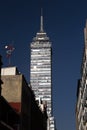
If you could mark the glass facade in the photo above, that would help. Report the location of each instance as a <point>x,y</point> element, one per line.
<point>40,69</point>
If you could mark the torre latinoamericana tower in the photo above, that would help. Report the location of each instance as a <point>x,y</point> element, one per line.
<point>41,69</point>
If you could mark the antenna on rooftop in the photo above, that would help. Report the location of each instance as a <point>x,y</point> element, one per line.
<point>41,21</point>
<point>9,49</point>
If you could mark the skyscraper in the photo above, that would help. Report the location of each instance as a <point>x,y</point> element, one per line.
<point>41,67</point>
<point>41,70</point>
<point>81,104</point>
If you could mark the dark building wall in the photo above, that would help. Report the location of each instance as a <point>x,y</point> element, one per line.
<point>9,119</point>
<point>16,91</point>
<point>25,106</point>
<point>32,116</point>
<point>38,118</point>
<point>21,98</point>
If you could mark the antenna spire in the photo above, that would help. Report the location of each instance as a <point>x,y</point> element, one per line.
<point>41,21</point>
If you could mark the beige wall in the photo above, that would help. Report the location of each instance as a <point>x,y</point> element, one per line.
<point>11,88</point>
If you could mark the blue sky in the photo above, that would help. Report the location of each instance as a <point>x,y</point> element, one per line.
<point>64,22</point>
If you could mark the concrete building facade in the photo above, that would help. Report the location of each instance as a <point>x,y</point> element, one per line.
<point>81,104</point>
<point>9,118</point>
<point>22,99</point>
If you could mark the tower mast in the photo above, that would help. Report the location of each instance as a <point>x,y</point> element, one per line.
<point>41,21</point>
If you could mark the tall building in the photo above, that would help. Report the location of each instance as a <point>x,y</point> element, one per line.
<point>81,104</point>
<point>41,69</point>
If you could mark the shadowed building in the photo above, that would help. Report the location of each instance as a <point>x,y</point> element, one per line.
<point>21,98</point>
<point>9,119</point>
